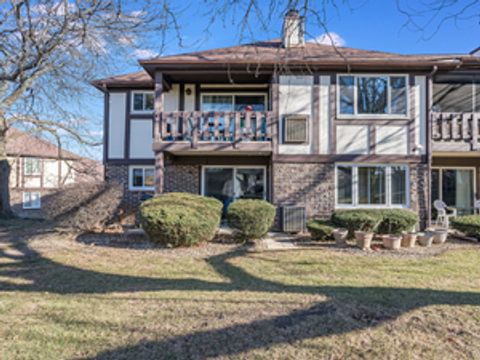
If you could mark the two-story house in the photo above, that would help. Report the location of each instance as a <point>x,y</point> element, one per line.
<point>38,168</point>
<point>299,124</point>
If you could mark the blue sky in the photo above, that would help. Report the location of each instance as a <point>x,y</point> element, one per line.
<point>367,24</point>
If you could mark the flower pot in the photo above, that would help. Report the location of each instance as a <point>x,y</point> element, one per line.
<point>364,239</point>
<point>392,242</point>
<point>340,236</point>
<point>409,239</point>
<point>439,236</point>
<point>425,239</point>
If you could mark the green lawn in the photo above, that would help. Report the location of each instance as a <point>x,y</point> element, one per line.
<point>61,298</point>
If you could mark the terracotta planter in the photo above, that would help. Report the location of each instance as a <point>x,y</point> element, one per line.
<point>425,239</point>
<point>340,236</point>
<point>439,236</point>
<point>392,242</point>
<point>409,239</point>
<point>364,239</point>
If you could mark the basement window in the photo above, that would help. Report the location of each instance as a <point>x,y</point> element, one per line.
<point>31,200</point>
<point>142,178</point>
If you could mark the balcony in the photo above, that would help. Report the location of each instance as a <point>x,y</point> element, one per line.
<point>197,132</point>
<point>455,131</point>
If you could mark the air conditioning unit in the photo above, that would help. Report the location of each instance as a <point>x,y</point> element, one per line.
<point>296,129</point>
<point>294,219</point>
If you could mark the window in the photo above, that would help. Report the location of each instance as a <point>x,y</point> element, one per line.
<point>371,186</point>
<point>142,101</point>
<point>142,178</point>
<point>32,166</point>
<point>456,94</point>
<point>372,95</point>
<point>233,102</point>
<point>455,186</point>
<point>31,200</point>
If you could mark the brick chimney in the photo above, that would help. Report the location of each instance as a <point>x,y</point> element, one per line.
<point>293,32</point>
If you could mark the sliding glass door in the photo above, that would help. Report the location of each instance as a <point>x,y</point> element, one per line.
<point>456,187</point>
<point>230,183</point>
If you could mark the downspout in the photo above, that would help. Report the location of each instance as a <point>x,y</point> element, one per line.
<point>428,98</point>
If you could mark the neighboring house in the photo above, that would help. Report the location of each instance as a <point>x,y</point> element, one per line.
<point>39,168</point>
<point>299,124</point>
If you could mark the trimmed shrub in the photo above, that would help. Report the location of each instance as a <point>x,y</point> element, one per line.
<point>358,219</point>
<point>320,229</point>
<point>180,219</point>
<point>253,218</point>
<point>394,221</point>
<point>84,206</point>
<point>468,224</point>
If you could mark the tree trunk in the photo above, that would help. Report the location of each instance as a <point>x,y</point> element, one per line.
<point>5,209</point>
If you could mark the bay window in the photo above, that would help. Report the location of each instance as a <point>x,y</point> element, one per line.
<point>377,95</point>
<point>371,186</point>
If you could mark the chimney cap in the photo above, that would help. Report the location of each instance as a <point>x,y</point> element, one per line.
<point>293,13</point>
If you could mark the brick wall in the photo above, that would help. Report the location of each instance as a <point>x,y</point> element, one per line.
<point>309,185</point>
<point>419,191</point>
<point>183,178</point>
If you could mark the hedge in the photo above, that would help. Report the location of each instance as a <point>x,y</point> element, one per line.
<point>381,221</point>
<point>395,221</point>
<point>180,219</point>
<point>320,229</point>
<point>252,218</point>
<point>358,219</point>
<point>468,224</point>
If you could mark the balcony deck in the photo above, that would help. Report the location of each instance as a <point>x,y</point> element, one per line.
<point>229,133</point>
<point>455,132</point>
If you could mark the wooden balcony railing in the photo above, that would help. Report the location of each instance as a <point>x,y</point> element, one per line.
<point>459,131</point>
<point>214,127</point>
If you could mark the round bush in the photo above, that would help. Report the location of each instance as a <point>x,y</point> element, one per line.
<point>358,219</point>
<point>394,221</point>
<point>468,224</point>
<point>320,229</point>
<point>253,218</point>
<point>180,219</point>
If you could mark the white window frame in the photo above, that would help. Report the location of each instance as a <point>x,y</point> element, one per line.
<point>355,114</point>
<point>32,205</point>
<point>440,179</point>
<point>388,187</point>
<point>130,178</point>
<point>132,104</point>
<point>235,168</point>
<point>233,95</point>
<point>25,166</point>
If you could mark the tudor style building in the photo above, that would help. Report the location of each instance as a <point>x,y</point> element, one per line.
<point>299,124</point>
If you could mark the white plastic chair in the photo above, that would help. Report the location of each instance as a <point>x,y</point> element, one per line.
<point>476,207</point>
<point>444,213</point>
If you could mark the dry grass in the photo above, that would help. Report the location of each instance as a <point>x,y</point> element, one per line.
<point>62,298</point>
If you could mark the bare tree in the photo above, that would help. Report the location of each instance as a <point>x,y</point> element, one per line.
<point>50,50</point>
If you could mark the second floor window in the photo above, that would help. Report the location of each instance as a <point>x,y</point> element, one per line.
<point>456,94</point>
<point>32,166</point>
<point>142,101</point>
<point>372,95</point>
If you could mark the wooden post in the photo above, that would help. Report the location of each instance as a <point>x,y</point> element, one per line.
<point>275,113</point>
<point>159,130</point>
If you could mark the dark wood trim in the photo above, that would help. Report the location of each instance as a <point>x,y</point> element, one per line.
<point>130,162</point>
<point>106,118</point>
<point>197,97</point>
<point>372,138</point>
<point>349,158</point>
<point>126,151</point>
<point>332,111</point>
<point>254,147</point>
<point>315,120</point>
<point>141,116</point>
<point>275,109</point>
<point>181,99</point>
<point>214,159</point>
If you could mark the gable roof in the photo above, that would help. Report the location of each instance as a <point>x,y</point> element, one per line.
<point>21,143</point>
<point>272,53</point>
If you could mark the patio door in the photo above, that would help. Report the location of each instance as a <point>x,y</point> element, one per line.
<point>230,183</point>
<point>455,187</point>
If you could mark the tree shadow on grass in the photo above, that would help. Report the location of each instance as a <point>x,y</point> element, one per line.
<point>346,309</point>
